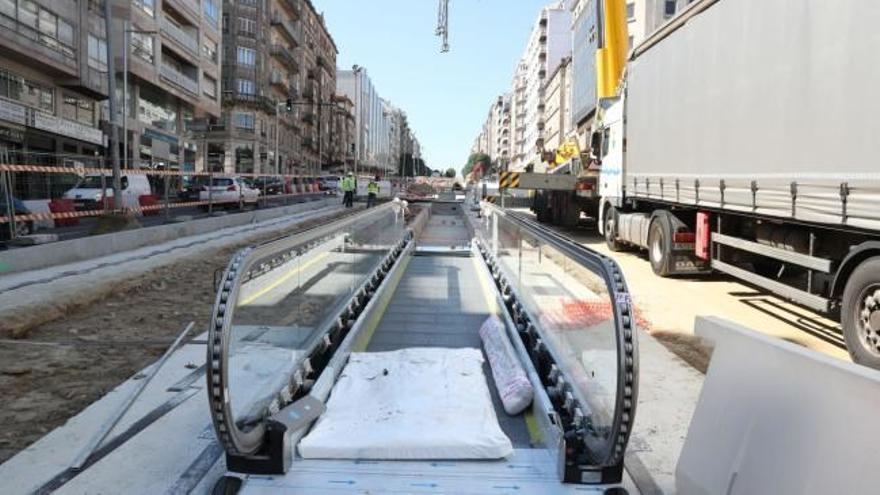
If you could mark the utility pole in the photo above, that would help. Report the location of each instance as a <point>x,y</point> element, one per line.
<point>113,140</point>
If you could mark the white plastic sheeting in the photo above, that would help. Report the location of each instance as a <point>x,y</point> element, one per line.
<point>513,385</point>
<point>417,403</point>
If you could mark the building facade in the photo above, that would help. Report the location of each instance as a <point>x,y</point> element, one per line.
<point>557,112</point>
<point>549,43</point>
<point>645,16</point>
<point>172,52</point>
<point>374,120</point>
<point>318,87</point>
<point>52,84</point>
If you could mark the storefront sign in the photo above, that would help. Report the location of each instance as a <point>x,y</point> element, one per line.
<point>8,134</point>
<point>67,128</point>
<point>12,112</point>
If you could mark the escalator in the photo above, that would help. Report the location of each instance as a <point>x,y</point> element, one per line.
<point>295,317</point>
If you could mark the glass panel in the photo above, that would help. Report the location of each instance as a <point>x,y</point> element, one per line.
<point>573,309</point>
<point>291,298</point>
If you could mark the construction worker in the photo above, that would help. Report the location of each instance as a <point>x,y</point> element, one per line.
<point>348,187</point>
<point>372,192</point>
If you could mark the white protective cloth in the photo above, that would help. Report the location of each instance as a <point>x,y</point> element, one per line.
<point>418,403</point>
<point>510,378</point>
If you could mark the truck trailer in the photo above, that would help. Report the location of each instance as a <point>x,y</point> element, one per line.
<point>744,140</point>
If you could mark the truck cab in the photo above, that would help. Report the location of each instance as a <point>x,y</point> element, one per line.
<point>609,146</point>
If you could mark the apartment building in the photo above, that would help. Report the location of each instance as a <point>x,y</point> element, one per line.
<point>172,53</point>
<point>342,135</point>
<point>557,113</point>
<point>373,136</point>
<point>53,78</point>
<point>318,81</point>
<point>645,16</point>
<point>549,43</point>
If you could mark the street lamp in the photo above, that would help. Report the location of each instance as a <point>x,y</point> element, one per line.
<point>125,49</point>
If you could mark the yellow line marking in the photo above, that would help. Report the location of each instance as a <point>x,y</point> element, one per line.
<point>532,427</point>
<point>274,285</point>
<point>382,306</point>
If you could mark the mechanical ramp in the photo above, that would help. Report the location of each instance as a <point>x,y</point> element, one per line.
<point>296,318</point>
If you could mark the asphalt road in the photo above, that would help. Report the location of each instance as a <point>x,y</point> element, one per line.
<point>671,304</point>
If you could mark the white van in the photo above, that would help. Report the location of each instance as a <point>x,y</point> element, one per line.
<point>87,195</point>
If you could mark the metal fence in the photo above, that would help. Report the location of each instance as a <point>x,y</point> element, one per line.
<point>69,200</point>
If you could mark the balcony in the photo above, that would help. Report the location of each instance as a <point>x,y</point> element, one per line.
<point>292,7</point>
<point>277,79</point>
<point>188,7</point>
<point>312,74</point>
<point>542,73</point>
<point>283,55</point>
<point>308,94</point>
<point>322,62</point>
<point>32,46</point>
<point>92,83</point>
<point>286,28</point>
<point>178,78</point>
<point>309,118</point>
<point>179,36</point>
<point>260,101</point>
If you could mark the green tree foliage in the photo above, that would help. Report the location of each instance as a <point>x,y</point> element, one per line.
<point>473,160</point>
<point>450,173</point>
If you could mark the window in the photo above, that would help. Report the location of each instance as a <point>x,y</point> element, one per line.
<point>142,46</point>
<point>631,11</point>
<point>209,86</point>
<point>27,13</point>
<point>48,28</point>
<point>669,8</point>
<point>245,86</point>
<point>81,110</point>
<point>247,27</point>
<point>97,53</point>
<point>148,6</point>
<point>39,96</point>
<point>211,11</point>
<point>11,85</point>
<point>7,7</point>
<point>244,121</point>
<point>209,50</point>
<point>247,56</point>
<point>65,32</point>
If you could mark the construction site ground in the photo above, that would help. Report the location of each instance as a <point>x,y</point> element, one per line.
<point>56,368</point>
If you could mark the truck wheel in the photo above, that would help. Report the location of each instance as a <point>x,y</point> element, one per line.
<point>610,222</point>
<point>860,313</point>
<point>658,246</point>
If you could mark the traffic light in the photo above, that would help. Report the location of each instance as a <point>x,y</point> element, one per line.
<point>289,105</point>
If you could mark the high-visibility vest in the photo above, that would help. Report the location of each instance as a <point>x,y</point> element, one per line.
<point>348,184</point>
<point>373,188</point>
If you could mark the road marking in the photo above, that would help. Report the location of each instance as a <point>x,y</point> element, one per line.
<point>274,285</point>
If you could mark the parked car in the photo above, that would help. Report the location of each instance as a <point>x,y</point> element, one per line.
<point>330,183</point>
<point>21,228</point>
<point>191,188</point>
<point>229,191</point>
<point>270,186</point>
<point>89,195</point>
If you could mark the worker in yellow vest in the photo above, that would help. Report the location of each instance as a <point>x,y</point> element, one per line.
<point>348,187</point>
<point>372,192</point>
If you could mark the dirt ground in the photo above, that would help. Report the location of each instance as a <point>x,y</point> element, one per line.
<point>64,365</point>
<point>669,307</point>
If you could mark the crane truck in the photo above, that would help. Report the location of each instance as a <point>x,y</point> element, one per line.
<point>743,140</point>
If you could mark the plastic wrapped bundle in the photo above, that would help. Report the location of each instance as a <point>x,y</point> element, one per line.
<point>510,378</point>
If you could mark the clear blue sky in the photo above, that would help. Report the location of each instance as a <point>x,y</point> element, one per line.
<point>445,95</point>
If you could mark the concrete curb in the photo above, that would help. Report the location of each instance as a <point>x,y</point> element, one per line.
<point>86,248</point>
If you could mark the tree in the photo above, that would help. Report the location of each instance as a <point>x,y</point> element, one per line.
<point>473,160</point>
<point>450,173</point>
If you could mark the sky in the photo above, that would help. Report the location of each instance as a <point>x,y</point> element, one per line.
<point>446,96</point>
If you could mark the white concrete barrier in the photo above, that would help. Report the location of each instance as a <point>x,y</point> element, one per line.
<point>59,253</point>
<point>774,417</point>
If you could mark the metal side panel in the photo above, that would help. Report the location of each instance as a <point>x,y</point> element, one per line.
<point>812,301</point>
<point>811,262</point>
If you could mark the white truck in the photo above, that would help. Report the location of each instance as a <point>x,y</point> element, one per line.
<point>745,140</point>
